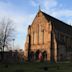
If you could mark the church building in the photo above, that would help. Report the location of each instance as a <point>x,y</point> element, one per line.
<point>50,37</point>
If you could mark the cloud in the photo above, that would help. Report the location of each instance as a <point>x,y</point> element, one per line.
<point>48,4</point>
<point>54,8</point>
<point>17,19</point>
<point>34,3</point>
<point>21,21</point>
<point>63,12</point>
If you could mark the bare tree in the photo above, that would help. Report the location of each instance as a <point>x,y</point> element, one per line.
<point>6,33</point>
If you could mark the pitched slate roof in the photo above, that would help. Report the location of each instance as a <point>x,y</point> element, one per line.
<point>59,25</point>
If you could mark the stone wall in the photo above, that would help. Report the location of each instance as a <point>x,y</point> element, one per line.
<point>40,32</point>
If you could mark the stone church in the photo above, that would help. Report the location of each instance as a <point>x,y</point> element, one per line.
<point>50,36</point>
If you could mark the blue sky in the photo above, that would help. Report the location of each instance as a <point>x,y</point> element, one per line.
<point>22,12</point>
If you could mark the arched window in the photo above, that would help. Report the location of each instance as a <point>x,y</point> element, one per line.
<point>35,38</point>
<point>41,35</point>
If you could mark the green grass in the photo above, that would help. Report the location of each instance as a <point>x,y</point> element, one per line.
<point>36,67</point>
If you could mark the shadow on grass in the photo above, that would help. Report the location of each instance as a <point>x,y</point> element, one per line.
<point>6,66</point>
<point>19,70</point>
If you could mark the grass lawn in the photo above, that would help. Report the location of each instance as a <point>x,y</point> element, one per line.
<point>36,67</point>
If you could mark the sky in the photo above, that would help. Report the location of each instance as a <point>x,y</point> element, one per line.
<point>23,12</point>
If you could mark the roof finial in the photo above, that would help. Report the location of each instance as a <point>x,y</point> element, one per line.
<point>39,5</point>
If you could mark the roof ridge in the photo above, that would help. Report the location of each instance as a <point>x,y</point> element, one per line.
<point>56,19</point>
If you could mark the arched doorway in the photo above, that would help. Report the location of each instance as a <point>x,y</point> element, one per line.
<point>44,54</point>
<point>31,56</point>
<point>38,55</point>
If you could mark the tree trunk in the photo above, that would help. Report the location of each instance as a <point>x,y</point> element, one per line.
<point>2,54</point>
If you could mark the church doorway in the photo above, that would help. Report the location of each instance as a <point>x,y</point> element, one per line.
<point>44,54</point>
<point>32,56</point>
<point>38,55</point>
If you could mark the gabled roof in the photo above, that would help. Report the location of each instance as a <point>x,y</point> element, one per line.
<point>59,25</point>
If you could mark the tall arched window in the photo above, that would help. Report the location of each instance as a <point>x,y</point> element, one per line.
<point>40,34</point>
<point>43,36</point>
<point>34,37</point>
